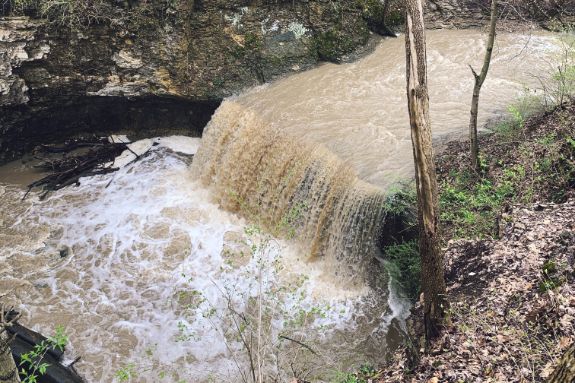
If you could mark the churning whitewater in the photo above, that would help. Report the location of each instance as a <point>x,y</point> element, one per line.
<point>252,251</point>
<point>145,272</point>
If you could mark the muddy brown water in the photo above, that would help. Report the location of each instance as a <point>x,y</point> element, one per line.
<point>162,255</point>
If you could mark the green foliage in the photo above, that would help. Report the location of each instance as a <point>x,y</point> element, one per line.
<point>550,276</point>
<point>403,263</point>
<point>402,201</point>
<point>400,249</point>
<point>364,374</point>
<point>470,204</point>
<point>513,124</point>
<point>31,365</point>
<point>523,164</point>
<point>125,373</point>
<point>291,220</point>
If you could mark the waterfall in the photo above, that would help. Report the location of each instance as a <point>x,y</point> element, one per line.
<point>290,186</point>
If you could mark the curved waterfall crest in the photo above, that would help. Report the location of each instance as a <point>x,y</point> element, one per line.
<point>288,184</point>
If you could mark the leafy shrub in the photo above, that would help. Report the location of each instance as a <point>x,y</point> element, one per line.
<point>31,364</point>
<point>402,262</point>
<point>399,239</point>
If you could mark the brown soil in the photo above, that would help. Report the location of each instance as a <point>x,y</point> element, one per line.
<point>512,298</point>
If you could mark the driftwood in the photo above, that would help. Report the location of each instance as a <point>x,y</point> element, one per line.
<point>68,167</point>
<point>23,340</point>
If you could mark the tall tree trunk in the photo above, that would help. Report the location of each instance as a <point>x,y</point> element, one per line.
<point>479,80</point>
<point>565,371</point>
<point>432,273</point>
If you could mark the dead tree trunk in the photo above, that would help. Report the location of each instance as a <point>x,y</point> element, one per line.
<point>565,371</point>
<point>479,80</point>
<point>432,273</point>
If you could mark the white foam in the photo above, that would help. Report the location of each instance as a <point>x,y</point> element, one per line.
<point>181,144</point>
<point>147,281</point>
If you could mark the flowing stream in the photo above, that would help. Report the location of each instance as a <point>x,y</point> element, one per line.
<point>253,250</point>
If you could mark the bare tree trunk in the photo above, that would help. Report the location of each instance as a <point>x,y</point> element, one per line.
<point>432,273</point>
<point>565,371</point>
<point>479,80</point>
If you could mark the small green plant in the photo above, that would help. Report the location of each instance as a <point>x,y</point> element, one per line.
<point>291,220</point>
<point>524,107</point>
<point>125,373</point>
<point>364,374</point>
<point>549,275</point>
<point>346,377</point>
<point>31,365</point>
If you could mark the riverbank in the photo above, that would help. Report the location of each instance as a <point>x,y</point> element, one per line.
<point>509,258</point>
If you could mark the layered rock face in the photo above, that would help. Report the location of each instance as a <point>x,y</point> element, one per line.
<point>154,59</point>
<point>164,65</point>
<point>552,14</point>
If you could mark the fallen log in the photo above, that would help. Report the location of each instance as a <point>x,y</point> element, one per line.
<point>73,144</point>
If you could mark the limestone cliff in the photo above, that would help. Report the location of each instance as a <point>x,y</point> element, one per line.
<point>164,65</point>
<point>67,75</point>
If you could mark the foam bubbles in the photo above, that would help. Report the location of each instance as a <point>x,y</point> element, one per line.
<point>157,276</point>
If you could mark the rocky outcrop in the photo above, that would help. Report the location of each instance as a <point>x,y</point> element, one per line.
<point>192,53</point>
<point>141,64</point>
<point>456,14</point>
<point>17,45</point>
<point>475,13</point>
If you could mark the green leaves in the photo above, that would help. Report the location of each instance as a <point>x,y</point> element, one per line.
<point>59,339</point>
<point>126,372</point>
<point>31,362</point>
<point>403,264</point>
<point>42,368</point>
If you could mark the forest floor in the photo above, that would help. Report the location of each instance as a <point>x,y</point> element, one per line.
<point>509,241</point>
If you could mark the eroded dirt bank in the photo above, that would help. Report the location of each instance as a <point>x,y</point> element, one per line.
<point>512,293</point>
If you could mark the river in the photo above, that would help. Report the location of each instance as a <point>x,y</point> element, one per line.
<point>252,249</point>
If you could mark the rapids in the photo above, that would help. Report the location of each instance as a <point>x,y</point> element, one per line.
<point>204,256</point>
<point>358,110</point>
